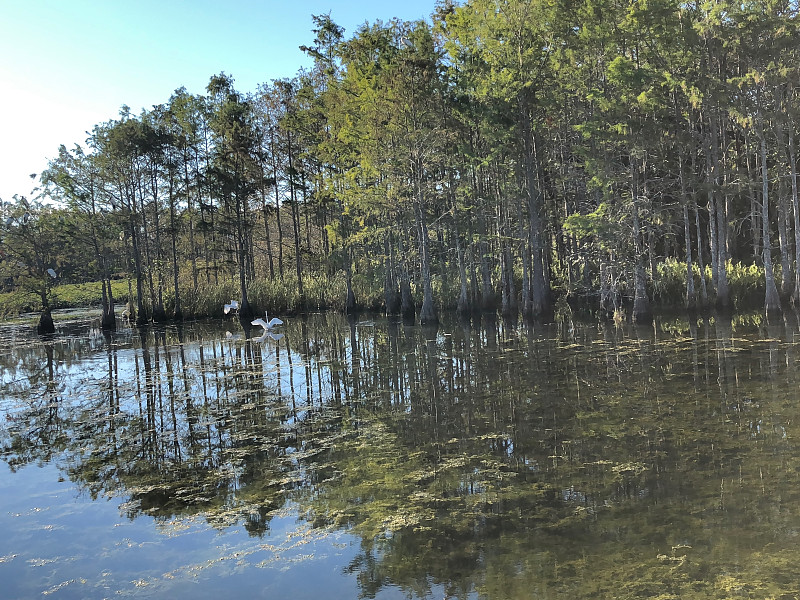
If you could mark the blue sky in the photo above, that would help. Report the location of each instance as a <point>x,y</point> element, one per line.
<point>69,64</point>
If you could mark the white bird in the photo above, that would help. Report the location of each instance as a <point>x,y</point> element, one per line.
<point>234,305</point>
<point>268,335</point>
<point>52,273</point>
<point>267,325</point>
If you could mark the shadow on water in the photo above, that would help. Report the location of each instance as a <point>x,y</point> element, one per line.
<point>497,458</point>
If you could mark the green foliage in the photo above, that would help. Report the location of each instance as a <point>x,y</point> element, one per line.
<point>79,295</point>
<point>368,290</point>
<point>746,284</point>
<point>525,121</point>
<point>670,284</point>
<point>600,224</point>
<point>210,299</point>
<point>320,292</point>
<point>14,303</point>
<point>274,296</point>
<point>88,294</point>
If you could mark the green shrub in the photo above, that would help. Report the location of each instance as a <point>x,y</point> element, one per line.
<point>14,303</point>
<point>368,292</point>
<point>274,296</point>
<point>669,288</point>
<point>746,284</point>
<point>209,299</point>
<point>87,294</point>
<point>323,291</point>
<point>326,292</point>
<point>72,295</point>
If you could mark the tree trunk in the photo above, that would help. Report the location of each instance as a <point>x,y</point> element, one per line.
<point>159,314</point>
<point>131,310</point>
<point>296,225</point>
<point>391,292</point>
<point>772,302</point>
<point>46,325</point>
<point>719,217</point>
<point>108,321</point>
<point>148,273</point>
<point>174,234</point>
<point>784,213</point>
<point>246,312</point>
<point>190,213</point>
<point>540,287</point>
<point>508,305</point>
<point>712,212</point>
<point>407,306</point>
<point>488,302</point>
<point>391,297</point>
<point>527,300</point>
<point>427,314</point>
<point>277,203</point>
<point>796,211</point>
<point>701,266</point>
<point>755,226</point>
<point>267,236</point>
<point>691,300</point>
<point>141,315</point>
<point>463,306</point>
<point>641,304</point>
<point>350,301</point>
<point>783,240</point>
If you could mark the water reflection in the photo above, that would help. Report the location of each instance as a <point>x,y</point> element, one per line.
<point>499,459</point>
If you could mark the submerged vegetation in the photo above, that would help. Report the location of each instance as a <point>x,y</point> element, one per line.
<point>502,156</point>
<point>573,460</point>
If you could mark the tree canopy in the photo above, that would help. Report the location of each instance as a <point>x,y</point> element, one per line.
<point>503,156</point>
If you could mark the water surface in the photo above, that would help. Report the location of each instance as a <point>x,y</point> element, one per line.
<point>371,459</point>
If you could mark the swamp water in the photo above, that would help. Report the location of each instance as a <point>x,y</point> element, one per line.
<point>376,460</point>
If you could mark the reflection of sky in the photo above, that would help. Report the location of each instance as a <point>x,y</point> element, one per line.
<point>543,411</point>
<point>56,542</point>
<point>78,361</point>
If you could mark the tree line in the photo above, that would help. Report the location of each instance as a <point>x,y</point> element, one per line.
<point>503,156</point>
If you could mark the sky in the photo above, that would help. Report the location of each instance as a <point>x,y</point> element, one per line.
<point>67,65</point>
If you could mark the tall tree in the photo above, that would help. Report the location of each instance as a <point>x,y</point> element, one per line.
<point>233,166</point>
<point>74,179</point>
<point>32,238</point>
<point>504,48</point>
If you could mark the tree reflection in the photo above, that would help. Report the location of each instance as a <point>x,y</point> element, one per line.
<point>480,457</point>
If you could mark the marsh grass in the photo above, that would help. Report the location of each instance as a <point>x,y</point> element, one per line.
<point>745,283</point>
<point>329,292</point>
<point>275,296</point>
<point>14,303</point>
<point>63,296</point>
